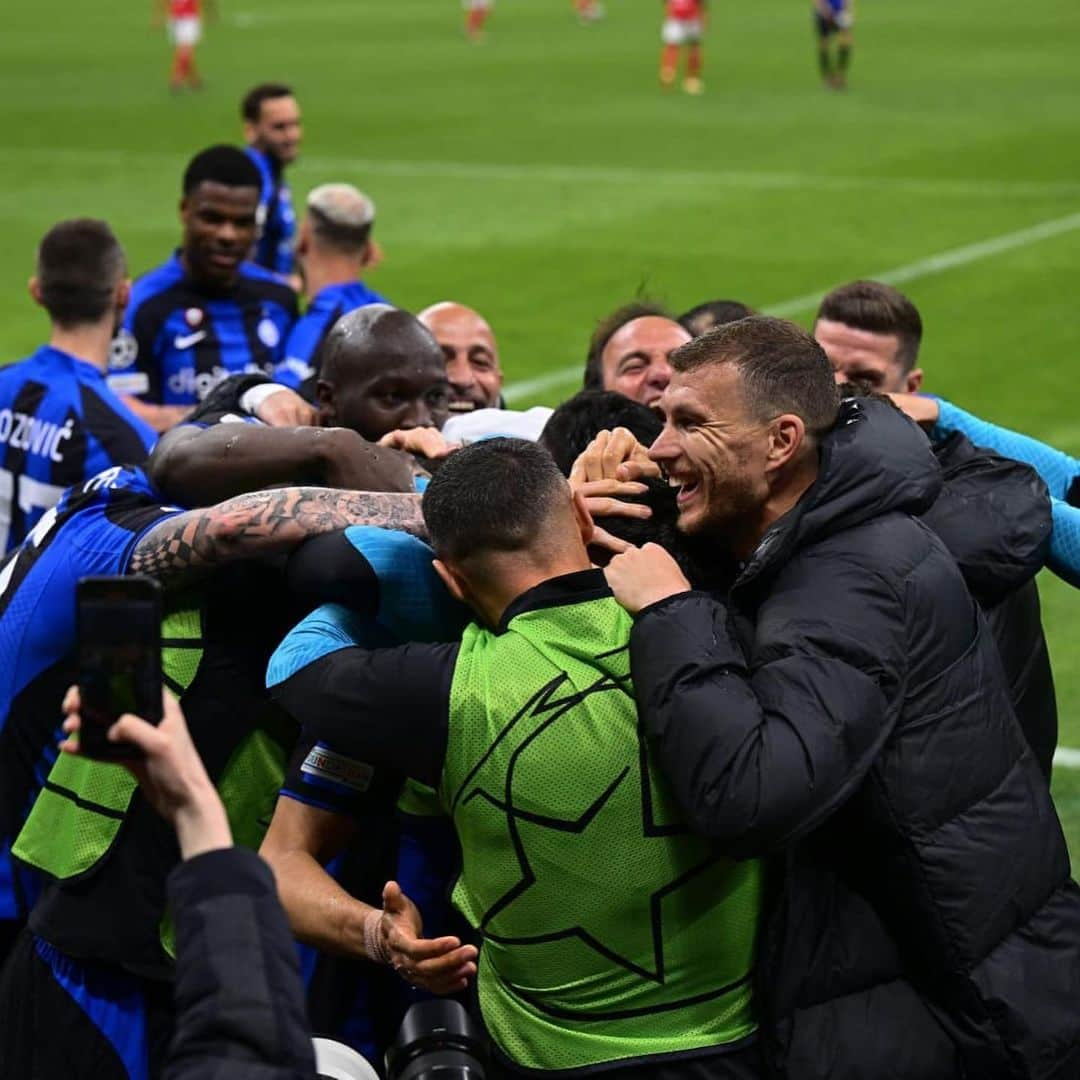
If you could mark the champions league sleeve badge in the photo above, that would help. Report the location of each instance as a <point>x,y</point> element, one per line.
<point>268,332</point>
<point>124,350</point>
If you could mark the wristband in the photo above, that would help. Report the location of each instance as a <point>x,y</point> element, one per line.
<point>374,945</point>
<point>250,400</point>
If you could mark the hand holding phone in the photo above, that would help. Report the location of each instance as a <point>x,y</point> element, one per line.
<point>119,636</point>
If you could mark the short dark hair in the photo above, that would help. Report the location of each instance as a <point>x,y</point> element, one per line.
<point>251,106</point>
<point>713,313</point>
<point>576,422</point>
<point>879,309</point>
<point>782,368</point>
<point>79,263</point>
<point>495,495</point>
<point>221,164</point>
<point>607,328</point>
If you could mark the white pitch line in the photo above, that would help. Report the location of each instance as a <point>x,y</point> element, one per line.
<point>1067,756</point>
<point>933,264</point>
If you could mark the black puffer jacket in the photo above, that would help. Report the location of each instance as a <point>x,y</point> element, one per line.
<point>923,925</point>
<point>994,516</point>
<point>239,998</point>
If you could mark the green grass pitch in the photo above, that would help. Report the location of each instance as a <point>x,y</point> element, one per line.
<point>543,176</point>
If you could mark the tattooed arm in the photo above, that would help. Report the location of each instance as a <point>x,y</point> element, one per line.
<point>265,523</point>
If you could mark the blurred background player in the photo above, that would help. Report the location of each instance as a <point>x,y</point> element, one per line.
<point>589,10</point>
<point>684,25</point>
<point>476,15</point>
<point>834,19</point>
<point>184,20</point>
<point>333,249</point>
<point>273,131</point>
<point>60,424</point>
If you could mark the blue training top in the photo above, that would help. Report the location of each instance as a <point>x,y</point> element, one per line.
<point>304,342</point>
<point>274,250</point>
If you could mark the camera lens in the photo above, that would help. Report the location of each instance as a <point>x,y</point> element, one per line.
<point>438,1040</point>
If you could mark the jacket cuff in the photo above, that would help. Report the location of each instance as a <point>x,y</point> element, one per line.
<point>660,605</point>
<point>224,872</point>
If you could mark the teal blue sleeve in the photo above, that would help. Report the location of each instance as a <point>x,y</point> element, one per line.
<point>327,629</point>
<point>414,604</point>
<point>1057,469</point>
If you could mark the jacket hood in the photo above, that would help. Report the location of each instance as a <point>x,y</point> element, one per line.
<point>874,461</point>
<point>994,516</point>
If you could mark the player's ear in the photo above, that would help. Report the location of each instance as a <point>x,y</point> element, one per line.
<point>450,580</point>
<point>303,239</point>
<point>914,381</point>
<point>324,403</point>
<point>583,518</point>
<point>33,287</point>
<point>123,293</point>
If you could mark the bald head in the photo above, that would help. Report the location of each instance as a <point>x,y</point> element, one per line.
<point>381,371</point>
<point>471,354</point>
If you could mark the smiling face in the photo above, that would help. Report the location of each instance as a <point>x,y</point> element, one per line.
<point>278,130</point>
<point>714,451</point>
<point>219,229</point>
<point>636,360</point>
<point>867,357</point>
<point>472,357</point>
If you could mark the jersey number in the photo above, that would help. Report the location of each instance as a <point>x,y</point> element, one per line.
<point>32,494</point>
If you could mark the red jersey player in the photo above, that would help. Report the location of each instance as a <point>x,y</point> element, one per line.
<point>185,30</point>
<point>589,10</point>
<point>476,14</point>
<point>684,25</point>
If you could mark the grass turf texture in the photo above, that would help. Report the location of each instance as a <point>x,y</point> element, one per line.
<point>543,177</point>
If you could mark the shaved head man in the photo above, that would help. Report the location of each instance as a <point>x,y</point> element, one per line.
<point>472,357</point>
<point>382,371</point>
<point>630,350</point>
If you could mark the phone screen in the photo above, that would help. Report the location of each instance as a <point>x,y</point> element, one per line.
<point>119,658</point>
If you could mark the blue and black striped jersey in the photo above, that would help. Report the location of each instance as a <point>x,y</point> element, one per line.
<point>179,340</point>
<point>274,250</point>
<point>60,424</point>
<point>304,342</point>
<point>92,531</point>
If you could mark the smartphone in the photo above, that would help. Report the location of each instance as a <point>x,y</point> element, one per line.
<point>119,659</point>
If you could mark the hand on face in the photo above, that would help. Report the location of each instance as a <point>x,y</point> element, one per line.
<point>605,456</point>
<point>286,408</point>
<point>643,576</point>
<point>425,442</point>
<point>925,411</point>
<point>601,476</point>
